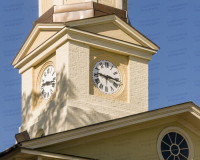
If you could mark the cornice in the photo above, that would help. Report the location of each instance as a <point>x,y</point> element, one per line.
<point>189,126</point>
<point>91,39</point>
<point>195,111</point>
<point>112,133</point>
<point>109,125</point>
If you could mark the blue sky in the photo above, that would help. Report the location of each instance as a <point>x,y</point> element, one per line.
<point>174,72</point>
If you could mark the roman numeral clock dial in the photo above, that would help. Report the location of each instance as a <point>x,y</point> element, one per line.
<point>47,83</point>
<point>106,77</point>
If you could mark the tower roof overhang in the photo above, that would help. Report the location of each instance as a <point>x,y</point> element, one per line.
<point>71,31</point>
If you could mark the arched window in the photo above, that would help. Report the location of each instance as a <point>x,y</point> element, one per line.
<point>174,144</point>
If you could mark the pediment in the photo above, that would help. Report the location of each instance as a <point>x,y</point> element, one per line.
<point>40,38</point>
<point>38,35</point>
<point>110,30</point>
<point>114,27</point>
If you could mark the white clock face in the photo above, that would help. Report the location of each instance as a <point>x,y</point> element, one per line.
<point>106,77</point>
<point>48,82</point>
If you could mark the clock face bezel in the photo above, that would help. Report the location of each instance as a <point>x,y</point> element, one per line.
<point>37,98</point>
<point>51,81</point>
<point>94,90</point>
<point>106,77</point>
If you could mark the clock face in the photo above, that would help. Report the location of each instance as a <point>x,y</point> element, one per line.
<point>106,77</point>
<point>48,82</point>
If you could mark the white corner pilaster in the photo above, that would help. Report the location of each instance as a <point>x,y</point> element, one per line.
<point>58,2</point>
<point>39,8</point>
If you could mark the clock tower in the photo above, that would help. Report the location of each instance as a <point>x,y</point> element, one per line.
<point>82,64</point>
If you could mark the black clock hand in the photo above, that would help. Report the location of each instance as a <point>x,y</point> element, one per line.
<point>44,84</point>
<point>109,77</point>
<point>47,83</point>
<point>114,79</point>
<point>102,75</point>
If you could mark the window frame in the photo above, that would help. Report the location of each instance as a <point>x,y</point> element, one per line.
<point>179,131</point>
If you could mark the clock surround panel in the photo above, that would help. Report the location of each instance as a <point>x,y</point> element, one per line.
<point>121,63</point>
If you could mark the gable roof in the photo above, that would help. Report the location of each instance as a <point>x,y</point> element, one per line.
<point>75,26</point>
<point>187,114</point>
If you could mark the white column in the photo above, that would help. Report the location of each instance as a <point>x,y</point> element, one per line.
<point>119,4</point>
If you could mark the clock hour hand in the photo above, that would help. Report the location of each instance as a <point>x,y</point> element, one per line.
<point>103,75</point>
<point>47,83</point>
<point>114,79</point>
<point>44,84</point>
